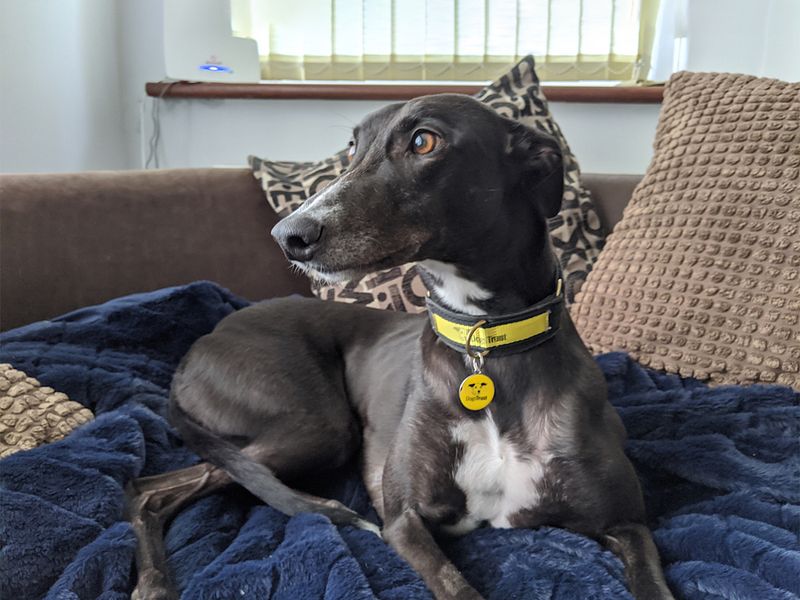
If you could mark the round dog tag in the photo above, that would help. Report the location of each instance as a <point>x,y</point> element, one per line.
<point>476,391</point>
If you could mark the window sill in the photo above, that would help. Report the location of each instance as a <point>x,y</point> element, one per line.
<point>359,91</point>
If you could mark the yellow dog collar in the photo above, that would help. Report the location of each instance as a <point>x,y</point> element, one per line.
<point>509,333</point>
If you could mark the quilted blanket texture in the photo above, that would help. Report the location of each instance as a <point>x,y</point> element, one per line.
<point>719,467</point>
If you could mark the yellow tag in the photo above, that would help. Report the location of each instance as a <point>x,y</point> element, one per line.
<point>476,391</point>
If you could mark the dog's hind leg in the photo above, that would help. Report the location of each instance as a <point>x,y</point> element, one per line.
<point>254,466</point>
<point>260,481</point>
<point>152,501</point>
<point>633,544</point>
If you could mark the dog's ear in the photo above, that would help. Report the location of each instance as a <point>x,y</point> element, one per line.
<point>538,158</point>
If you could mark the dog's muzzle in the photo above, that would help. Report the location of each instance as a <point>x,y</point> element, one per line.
<point>298,236</point>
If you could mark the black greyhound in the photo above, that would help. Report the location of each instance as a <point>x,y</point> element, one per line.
<point>289,386</point>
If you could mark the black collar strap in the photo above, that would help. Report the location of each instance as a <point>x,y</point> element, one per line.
<point>502,334</point>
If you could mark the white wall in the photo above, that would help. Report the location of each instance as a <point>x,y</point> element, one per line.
<point>606,138</point>
<point>141,52</point>
<point>224,132</point>
<point>198,133</point>
<point>760,37</point>
<point>781,57</point>
<point>73,75</point>
<point>60,99</point>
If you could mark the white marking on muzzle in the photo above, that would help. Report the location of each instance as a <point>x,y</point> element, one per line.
<point>323,205</point>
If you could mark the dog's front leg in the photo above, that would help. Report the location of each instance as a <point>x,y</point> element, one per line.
<point>633,544</point>
<point>409,535</point>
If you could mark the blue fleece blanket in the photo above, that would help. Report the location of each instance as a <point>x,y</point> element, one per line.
<point>719,467</point>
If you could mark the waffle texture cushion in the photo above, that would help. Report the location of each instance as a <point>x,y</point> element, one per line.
<point>32,414</point>
<point>702,275</point>
<point>576,233</point>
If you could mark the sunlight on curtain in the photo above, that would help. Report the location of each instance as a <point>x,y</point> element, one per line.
<point>454,40</point>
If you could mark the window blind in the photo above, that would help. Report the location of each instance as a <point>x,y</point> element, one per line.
<point>452,40</point>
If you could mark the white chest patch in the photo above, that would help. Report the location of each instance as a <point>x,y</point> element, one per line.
<point>496,479</point>
<point>457,292</point>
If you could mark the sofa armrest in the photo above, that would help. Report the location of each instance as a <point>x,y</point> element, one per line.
<point>72,240</point>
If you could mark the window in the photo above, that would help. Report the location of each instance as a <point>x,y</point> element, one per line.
<point>447,40</point>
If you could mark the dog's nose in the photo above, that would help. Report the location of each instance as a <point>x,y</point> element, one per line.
<point>298,236</point>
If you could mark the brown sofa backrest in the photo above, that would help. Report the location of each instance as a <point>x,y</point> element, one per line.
<point>72,240</point>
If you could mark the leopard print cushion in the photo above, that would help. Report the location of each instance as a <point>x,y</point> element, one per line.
<point>701,277</point>
<point>576,233</point>
<point>31,414</point>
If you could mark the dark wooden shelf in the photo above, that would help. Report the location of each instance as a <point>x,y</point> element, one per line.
<point>358,91</point>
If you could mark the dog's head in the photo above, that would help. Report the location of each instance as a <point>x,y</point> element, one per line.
<point>425,176</point>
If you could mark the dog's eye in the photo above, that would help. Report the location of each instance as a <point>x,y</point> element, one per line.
<point>424,142</point>
<point>351,151</point>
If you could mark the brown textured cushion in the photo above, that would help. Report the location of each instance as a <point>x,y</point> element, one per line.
<point>31,415</point>
<point>702,275</point>
<point>576,232</point>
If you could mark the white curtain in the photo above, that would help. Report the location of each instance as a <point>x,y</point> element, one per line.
<point>670,44</point>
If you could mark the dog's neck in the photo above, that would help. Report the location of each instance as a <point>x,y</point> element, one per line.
<point>494,286</point>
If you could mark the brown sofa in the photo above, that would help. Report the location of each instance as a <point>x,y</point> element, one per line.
<point>73,240</point>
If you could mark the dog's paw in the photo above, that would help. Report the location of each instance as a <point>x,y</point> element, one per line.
<point>154,585</point>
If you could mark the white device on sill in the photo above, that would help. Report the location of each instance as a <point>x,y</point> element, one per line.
<point>199,45</point>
